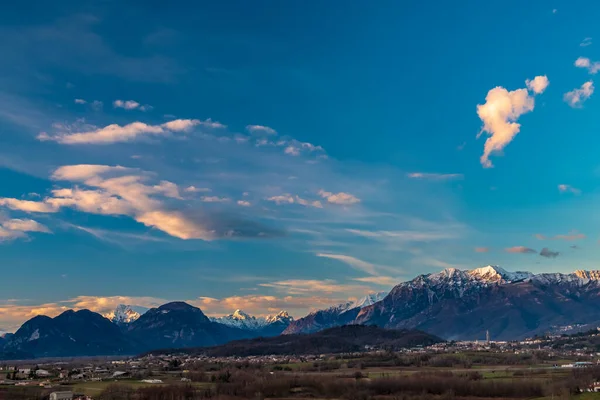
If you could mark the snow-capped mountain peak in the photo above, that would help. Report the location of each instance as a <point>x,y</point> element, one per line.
<point>281,316</point>
<point>125,314</point>
<point>242,320</point>
<point>240,315</point>
<point>489,273</point>
<point>370,299</point>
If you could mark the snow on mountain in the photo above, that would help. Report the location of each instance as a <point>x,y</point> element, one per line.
<point>369,299</point>
<point>125,314</point>
<point>280,317</point>
<point>491,275</point>
<point>242,320</point>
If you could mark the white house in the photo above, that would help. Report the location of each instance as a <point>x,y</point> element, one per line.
<point>61,396</point>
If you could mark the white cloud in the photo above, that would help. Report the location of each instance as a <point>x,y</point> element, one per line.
<point>215,199</point>
<point>117,191</point>
<point>194,189</point>
<point>282,199</point>
<point>25,225</point>
<point>81,172</point>
<point>116,133</point>
<point>126,104</point>
<point>261,129</point>
<point>592,66</point>
<point>16,228</point>
<point>175,224</point>
<point>243,203</point>
<point>568,189</point>
<point>434,177</point>
<point>181,125</point>
<point>501,111</point>
<point>292,151</point>
<point>80,101</point>
<point>538,84</point>
<point>28,205</point>
<point>576,97</point>
<point>339,198</point>
<point>289,199</point>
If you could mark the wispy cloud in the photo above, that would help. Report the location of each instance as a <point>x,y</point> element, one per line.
<point>586,42</point>
<point>434,177</point>
<point>576,97</point>
<point>379,280</point>
<point>309,286</point>
<point>564,188</point>
<point>407,235</point>
<point>520,249</point>
<point>351,261</point>
<point>571,236</point>
<point>500,112</point>
<point>482,249</point>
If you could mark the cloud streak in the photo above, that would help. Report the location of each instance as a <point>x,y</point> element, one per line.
<point>434,177</point>
<point>520,250</point>
<point>564,188</point>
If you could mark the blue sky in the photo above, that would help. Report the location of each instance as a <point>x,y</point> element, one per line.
<point>289,155</point>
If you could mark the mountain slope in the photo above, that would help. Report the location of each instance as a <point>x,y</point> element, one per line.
<point>342,314</point>
<point>177,325</point>
<point>457,304</point>
<point>73,333</point>
<point>344,339</point>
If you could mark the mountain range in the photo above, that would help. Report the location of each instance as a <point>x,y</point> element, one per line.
<point>452,304</point>
<point>465,304</point>
<point>126,331</point>
<point>341,314</point>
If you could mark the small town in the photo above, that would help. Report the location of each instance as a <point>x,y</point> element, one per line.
<point>88,378</point>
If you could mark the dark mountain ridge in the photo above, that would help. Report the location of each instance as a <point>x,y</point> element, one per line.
<point>342,339</point>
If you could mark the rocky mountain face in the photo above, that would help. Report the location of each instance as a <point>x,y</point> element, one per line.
<point>73,333</point>
<point>456,304</point>
<point>271,325</point>
<point>179,324</point>
<point>342,314</point>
